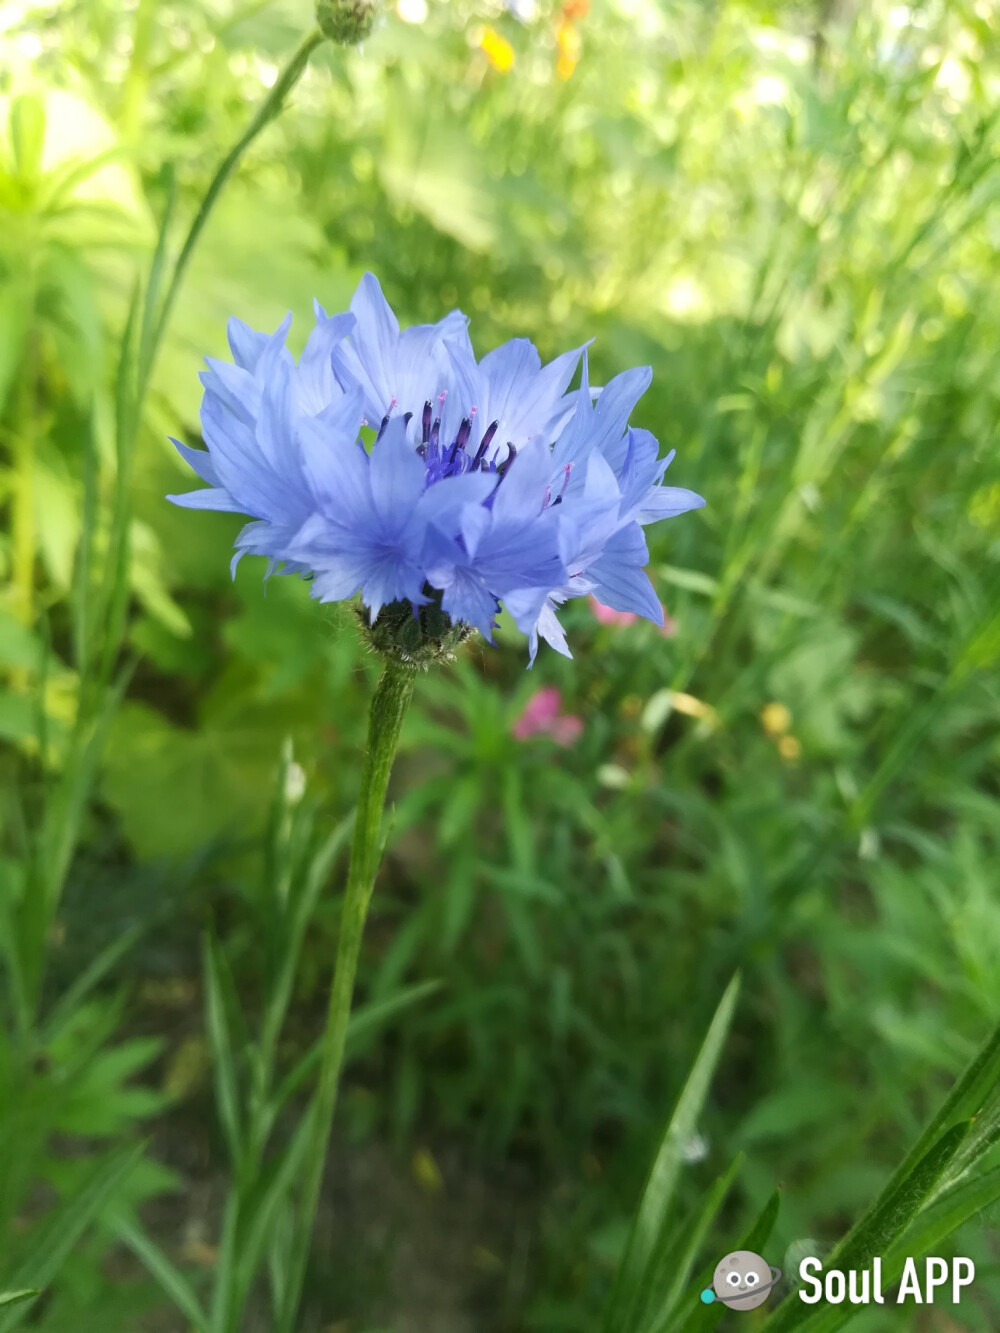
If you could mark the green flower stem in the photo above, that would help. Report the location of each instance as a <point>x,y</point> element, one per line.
<point>268,110</point>
<point>389,704</point>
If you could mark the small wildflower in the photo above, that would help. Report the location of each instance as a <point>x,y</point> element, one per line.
<point>570,47</point>
<point>605,615</point>
<point>543,716</point>
<point>775,719</point>
<point>692,707</point>
<point>497,50</point>
<point>789,748</point>
<point>487,481</point>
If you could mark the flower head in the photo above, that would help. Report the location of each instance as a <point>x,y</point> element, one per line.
<point>482,481</point>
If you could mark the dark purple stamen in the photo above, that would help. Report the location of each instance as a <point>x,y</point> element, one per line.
<point>485,443</point>
<point>504,467</point>
<point>461,439</point>
<point>381,429</point>
<point>426,421</point>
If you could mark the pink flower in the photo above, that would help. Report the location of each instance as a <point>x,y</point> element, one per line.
<point>542,716</point>
<point>606,615</point>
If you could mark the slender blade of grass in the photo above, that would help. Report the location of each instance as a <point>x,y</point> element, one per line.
<point>875,1233</point>
<point>58,1234</point>
<point>170,1278</point>
<point>223,1056</point>
<point>696,1317</point>
<point>631,1282</point>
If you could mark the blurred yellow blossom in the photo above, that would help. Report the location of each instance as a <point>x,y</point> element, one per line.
<point>496,48</point>
<point>789,748</point>
<point>775,719</point>
<point>426,1172</point>
<point>570,47</point>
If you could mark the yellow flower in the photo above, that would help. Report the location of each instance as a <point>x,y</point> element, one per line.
<point>789,748</point>
<point>570,48</point>
<point>775,719</point>
<point>497,50</point>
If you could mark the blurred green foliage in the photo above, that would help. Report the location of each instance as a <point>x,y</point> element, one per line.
<point>791,211</point>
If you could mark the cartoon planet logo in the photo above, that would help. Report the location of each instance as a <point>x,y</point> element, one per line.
<point>743,1280</point>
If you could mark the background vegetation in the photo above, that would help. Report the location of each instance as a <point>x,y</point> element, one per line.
<point>791,211</point>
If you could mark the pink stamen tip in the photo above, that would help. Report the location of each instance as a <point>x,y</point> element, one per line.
<point>364,421</point>
<point>473,410</point>
<point>442,395</point>
<point>393,402</point>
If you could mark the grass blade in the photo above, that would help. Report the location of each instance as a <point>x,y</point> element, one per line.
<point>173,1282</point>
<point>630,1285</point>
<point>223,1057</point>
<point>9,1298</point>
<point>696,1317</point>
<point>676,1263</point>
<point>887,1219</point>
<point>58,1234</point>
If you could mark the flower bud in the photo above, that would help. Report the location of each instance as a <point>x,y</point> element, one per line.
<point>415,640</point>
<point>346,21</point>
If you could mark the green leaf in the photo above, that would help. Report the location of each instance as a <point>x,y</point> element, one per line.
<point>170,1278</point>
<point>16,1297</point>
<point>223,1056</point>
<point>56,1236</point>
<point>695,1316</point>
<point>676,1262</point>
<point>27,133</point>
<point>874,1234</point>
<point>93,974</point>
<point>631,1282</point>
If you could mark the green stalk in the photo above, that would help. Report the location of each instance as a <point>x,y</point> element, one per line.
<point>268,110</point>
<point>389,704</point>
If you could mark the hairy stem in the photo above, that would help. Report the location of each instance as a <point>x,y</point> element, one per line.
<point>389,705</point>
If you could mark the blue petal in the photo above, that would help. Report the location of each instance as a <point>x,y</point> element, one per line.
<point>668,502</point>
<point>235,389</point>
<point>316,383</point>
<point>523,397</point>
<point>245,343</point>
<point>367,358</point>
<point>199,460</point>
<point>398,476</point>
<point>216,498</point>
<point>619,579</point>
<point>468,598</point>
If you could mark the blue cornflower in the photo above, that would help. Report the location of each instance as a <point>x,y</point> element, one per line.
<point>486,482</point>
